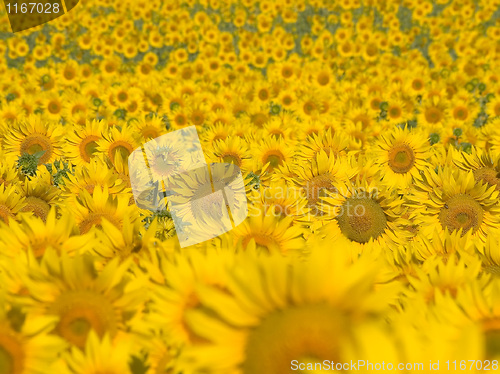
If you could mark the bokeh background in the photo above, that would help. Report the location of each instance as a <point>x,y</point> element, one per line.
<point>391,107</point>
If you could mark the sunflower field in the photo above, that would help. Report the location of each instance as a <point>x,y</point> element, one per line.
<point>367,133</point>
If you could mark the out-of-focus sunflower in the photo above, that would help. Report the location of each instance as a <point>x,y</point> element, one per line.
<point>401,155</point>
<point>97,355</point>
<point>82,298</point>
<point>268,232</point>
<point>11,202</point>
<point>175,291</point>
<point>34,135</point>
<point>278,320</point>
<point>95,174</point>
<point>27,348</point>
<point>89,209</point>
<point>36,235</point>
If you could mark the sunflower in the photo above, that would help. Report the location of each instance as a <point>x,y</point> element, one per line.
<point>27,348</point>
<point>98,355</point>
<point>31,233</point>
<point>233,150</point>
<point>89,210</point>
<point>284,198</point>
<point>123,141</point>
<point>285,318</point>
<point>94,174</point>
<point>267,232</point>
<point>330,141</point>
<point>444,277</point>
<point>34,135</point>
<point>317,176</point>
<point>82,298</point>
<point>151,127</point>
<point>403,155</point>
<point>366,213</point>
<point>271,153</point>
<point>11,202</point>
<point>485,165</point>
<point>40,194</point>
<point>451,199</point>
<point>175,291</point>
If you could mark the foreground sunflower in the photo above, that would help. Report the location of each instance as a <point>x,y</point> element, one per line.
<point>284,318</point>
<point>82,299</point>
<point>401,155</point>
<point>27,348</point>
<point>453,200</point>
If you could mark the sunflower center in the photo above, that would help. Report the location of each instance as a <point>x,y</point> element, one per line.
<point>81,311</point>
<point>461,212</point>
<point>306,333</point>
<point>88,147</point>
<point>433,115</point>
<point>401,158</point>
<point>11,353</point>
<point>232,158</point>
<point>488,175</point>
<point>35,143</point>
<point>275,158</point>
<point>124,149</point>
<point>491,328</point>
<point>165,164</point>
<point>361,219</point>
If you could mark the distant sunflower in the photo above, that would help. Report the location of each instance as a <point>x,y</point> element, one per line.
<point>34,135</point>
<point>401,155</point>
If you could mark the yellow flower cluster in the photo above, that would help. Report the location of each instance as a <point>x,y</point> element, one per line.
<point>368,136</point>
